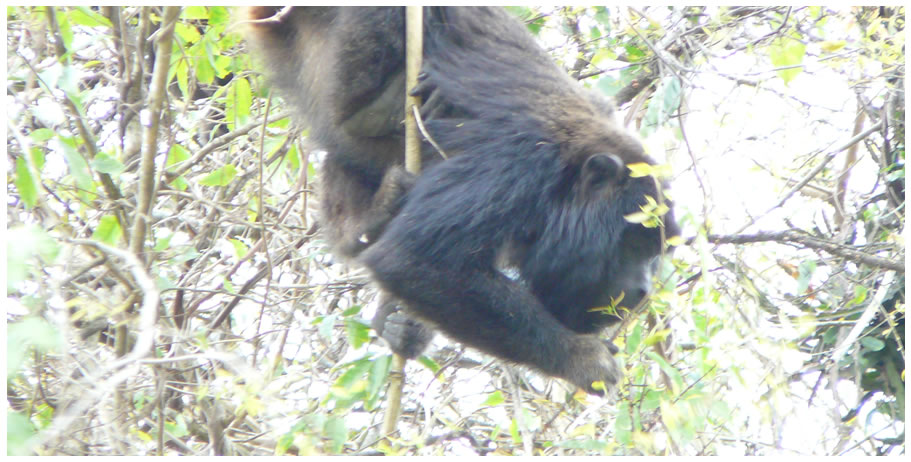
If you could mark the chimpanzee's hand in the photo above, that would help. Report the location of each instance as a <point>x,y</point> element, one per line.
<point>591,361</point>
<point>406,336</point>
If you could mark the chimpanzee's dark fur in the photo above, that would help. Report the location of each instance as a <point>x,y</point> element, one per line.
<point>537,179</point>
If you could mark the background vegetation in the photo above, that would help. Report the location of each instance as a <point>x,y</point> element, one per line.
<point>168,291</point>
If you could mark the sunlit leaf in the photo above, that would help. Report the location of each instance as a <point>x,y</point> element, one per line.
<point>220,177</point>
<point>358,332</point>
<point>104,163</point>
<point>494,399</point>
<point>787,52</point>
<point>832,46</point>
<point>108,230</point>
<point>26,184</point>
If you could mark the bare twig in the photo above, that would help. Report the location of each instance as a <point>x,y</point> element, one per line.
<point>794,236</point>
<point>825,161</point>
<point>864,321</point>
<point>157,94</point>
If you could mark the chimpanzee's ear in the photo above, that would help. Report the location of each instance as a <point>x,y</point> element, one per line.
<point>600,168</point>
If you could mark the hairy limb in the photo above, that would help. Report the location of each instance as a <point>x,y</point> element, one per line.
<point>405,335</point>
<point>355,213</point>
<point>488,311</point>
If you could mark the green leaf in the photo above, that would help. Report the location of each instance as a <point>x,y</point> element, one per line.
<point>66,30</point>
<point>337,433</point>
<point>637,217</point>
<point>38,160</point>
<point>860,294</point>
<point>657,337</point>
<point>41,135</point>
<point>494,399</point>
<point>786,52</point>
<point>177,428</point>
<point>633,53</point>
<point>108,230</point>
<point>293,156</point>
<point>805,272</point>
<point>672,373</point>
<point>623,424</point>
<point>514,431</point>
<point>672,95</point>
<point>19,433</point>
<point>218,15</point>
<point>355,309</point>
<point>69,83</point>
<point>223,65</point>
<point>104,163</point>
<point>663,105</point>
<point>240,248</point>
<point>163,243</point>
<point>376,378</point>
<point>352,382</point>
<point>194,12</point>
<point>605,54</point>
<point>358,332</point>
<point>830,335</point>
<point>25,183</point>
<point>220,177</point>
<point>639,169</point>
<point>84,16</point>
<point>187,254</point>
<point>831,46</point>
<point>177,154</point>
<point>284,443</point>
<point>602,15</point>
<point>651,399</point>
<point>326,324</point>
<point>429,363</point>
<point>22,244</point>
<point>586,444</point>
<point>871,343</point>
<point>182,71</point>
<point>238,103</point>
<point>186,32</point>
<point>633,339</point>
<point>205,73</point>
<point>78,167</point>
<point>21,337</point>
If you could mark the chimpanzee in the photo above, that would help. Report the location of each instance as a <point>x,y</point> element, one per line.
<point>536,179</point>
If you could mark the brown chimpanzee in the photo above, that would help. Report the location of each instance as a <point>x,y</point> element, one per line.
<point>537,180</point>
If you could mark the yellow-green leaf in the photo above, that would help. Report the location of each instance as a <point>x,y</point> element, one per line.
<point>832,46</point>
<point>25,183</point>
<point>220,177</point>
<point>494,399</point>
<point>786,52</point>
<point>637,217</point>
<point>240,249</point>
<point>108,230</point>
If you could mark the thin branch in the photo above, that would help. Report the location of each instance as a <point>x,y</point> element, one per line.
<point>864,320</point>
<point>157,94</point>
<point>794,236</point>
<point>831,155</point>
<point>224,140</point>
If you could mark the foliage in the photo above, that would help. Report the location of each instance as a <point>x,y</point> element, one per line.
<point>215,321</point>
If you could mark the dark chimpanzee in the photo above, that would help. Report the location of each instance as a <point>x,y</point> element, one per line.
<point>537,180</point>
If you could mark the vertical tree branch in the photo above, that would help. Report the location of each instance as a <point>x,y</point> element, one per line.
<point>157,93</point>
<point>414,48</point>
<point>842,183</point>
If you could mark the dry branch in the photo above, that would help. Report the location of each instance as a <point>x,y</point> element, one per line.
<point>852,253</point>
